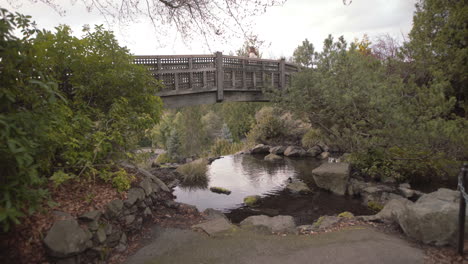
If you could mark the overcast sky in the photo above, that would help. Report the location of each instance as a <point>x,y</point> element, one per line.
<point>284,27</point>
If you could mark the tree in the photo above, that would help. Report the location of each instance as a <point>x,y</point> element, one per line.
<point>394,126</point>
<point>210,19</point>
<point>438,47</point>
<point>66,105</point>
<point>252,40</point>
<point>304,54</point>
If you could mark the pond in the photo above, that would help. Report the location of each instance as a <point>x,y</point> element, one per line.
<point>246,175</point>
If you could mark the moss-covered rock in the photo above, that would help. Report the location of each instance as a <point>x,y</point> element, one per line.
<point>346,215</point>
<point>252,200</point>
<point>220,190</point>
<point>375,206</point>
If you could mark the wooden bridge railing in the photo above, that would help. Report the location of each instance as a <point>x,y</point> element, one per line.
<point>185,74</point>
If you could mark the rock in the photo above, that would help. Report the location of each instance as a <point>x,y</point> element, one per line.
<point>314,151</point>
<point>278,150</point>
<point>114,208</point>
<point>293,151</point>
<point>408,193</point>
<point>91,216</point>
<point>378,194</point>
<point>346,215</point>
<point>66,238</point>
<point>280,223</point>
<point>129,219</point>
<point>134,195</point>
<point>391,211</point>
<point>214,226</point>
<point>113,238</point>
<point>251,200</point>
<point>59,215</point>
<point>145,184</point>
<point>298,187</point>
<point>171,204</point>
<point>220,190</point>
<point>101,235</point>
<point>260,149</point>
<point>306,228</point>
<point>355,186</point>
<point>122,246</point>
<point>161,184</point>
<point>147,212</point>
<point>433,218</point>
<point>272,157</point>
<point>332,176</point>
<point>210,214</point>
<point>324,155</point>
<point>389,180</point>
<point>325,222</point>
<point>405,185</point>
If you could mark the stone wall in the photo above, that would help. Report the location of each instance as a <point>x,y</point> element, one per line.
<point>94,235</point>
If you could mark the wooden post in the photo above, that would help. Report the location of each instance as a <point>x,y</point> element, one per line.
<point>233,79</point>
<point>205,81</point>
<point>282,70</point>
<point>190,66</point>
<point>263,75</point>
<point>220,76</point>
<point>244,77</point>
<point>176,81</point>
<point>462,210</point>
<point>159,64</point>
<point>254,79</point>
<point>272,80</point>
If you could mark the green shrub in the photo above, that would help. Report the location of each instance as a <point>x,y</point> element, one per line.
<point>269,127</point>
<point>223,147</point>
<point>66,104</point>
<point>194,172</point>
<point>164,158</point>
<point>311,138</point>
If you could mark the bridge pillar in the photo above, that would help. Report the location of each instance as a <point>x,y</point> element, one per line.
<point>282,72</point>
<point>219,76</point>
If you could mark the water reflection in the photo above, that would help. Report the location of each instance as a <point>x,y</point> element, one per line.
<point>243,175</point>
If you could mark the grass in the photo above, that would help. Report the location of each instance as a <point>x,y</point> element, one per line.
<point>194,173</point>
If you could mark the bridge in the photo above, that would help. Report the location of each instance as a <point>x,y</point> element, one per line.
<point>207,79</point>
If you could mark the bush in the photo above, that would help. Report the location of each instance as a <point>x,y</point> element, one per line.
<point>66,104</point>
<point>269,128</point>
<point>164,158</point>
<point>311,138</point>
<point>194,173</point>
<point>223,147</point>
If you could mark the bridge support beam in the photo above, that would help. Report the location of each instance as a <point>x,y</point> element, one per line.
<point>219,76</point>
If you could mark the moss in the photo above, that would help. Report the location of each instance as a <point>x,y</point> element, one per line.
<point>346,215</point>
<point>375,206</point>
<point>163,158</point>
<point>220,190</point>
<point>251,200</point>
<point>319,221</point>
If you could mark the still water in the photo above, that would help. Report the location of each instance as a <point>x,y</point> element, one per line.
<point>246,175</point>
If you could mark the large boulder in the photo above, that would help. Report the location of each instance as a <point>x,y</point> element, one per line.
<point>66,238</point>
<point>433,218</point>
<point>260,149</point>
<point>332,176</point>
<point>293,151</point>
<point>214,226</point>
<point>278,150</point>
<point>391,212</point>
<point>280,223</point>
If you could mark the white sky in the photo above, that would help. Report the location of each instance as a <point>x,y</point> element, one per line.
<point>284,27</point>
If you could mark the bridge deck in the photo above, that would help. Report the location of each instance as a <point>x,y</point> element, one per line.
<point>200,79</point>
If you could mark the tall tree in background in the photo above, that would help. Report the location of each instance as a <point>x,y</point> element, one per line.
<point>304,54</point>
<point>438,47</point>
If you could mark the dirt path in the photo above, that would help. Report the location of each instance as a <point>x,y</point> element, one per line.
<point>351,245</point>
